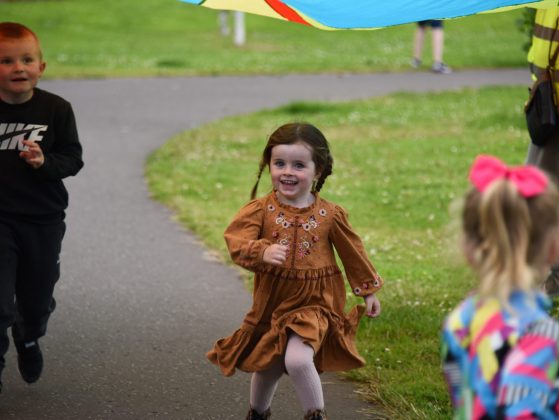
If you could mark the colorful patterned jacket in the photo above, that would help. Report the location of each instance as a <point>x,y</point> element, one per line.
<point>502,363</point>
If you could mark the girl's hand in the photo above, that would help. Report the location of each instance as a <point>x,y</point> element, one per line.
<point>275,254</point>
<point>373,306</point>
<point>33,155</point>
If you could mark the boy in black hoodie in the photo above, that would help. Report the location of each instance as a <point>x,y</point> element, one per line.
<point>39,146</point>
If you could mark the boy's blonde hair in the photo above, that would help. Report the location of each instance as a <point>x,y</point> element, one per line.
<point>506,236</point>
<point>14,30</point>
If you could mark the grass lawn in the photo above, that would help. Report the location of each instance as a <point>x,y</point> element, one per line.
<point>400,168</point>
<point>107,38</point>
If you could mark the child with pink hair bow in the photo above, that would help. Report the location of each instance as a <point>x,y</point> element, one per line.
<point>500,346</point>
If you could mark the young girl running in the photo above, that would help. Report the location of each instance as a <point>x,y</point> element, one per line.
<point>499,345</point>
<point>287,238</point>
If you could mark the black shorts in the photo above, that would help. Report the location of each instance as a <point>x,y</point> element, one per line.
<point>434,24</point>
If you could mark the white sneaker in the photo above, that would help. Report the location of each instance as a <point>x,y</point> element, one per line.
<point>441,68</point>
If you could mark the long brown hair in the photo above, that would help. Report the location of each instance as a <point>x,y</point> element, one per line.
<point>299,132</point>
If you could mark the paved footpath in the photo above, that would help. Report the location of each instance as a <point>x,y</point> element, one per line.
<point>140,301</point>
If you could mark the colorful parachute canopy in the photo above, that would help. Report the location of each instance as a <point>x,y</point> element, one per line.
<point>366,14</point>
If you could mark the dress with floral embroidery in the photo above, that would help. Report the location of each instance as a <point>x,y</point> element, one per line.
<point>306,295</point>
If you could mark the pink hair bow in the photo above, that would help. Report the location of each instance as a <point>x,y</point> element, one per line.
<point>529,180</point>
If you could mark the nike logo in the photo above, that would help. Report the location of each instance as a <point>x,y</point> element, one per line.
<point>12,135</point>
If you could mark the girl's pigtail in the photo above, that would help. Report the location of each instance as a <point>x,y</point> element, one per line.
<point>505,226</point>
<point>255,188</point>
<point>325,173</point>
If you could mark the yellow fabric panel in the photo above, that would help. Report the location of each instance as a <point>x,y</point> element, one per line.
<point>484,313</point>
<point>257,7</point>
<point>487,360</point>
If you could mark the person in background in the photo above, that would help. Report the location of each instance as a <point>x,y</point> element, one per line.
<point>437,36</point>
<point>545,157</point>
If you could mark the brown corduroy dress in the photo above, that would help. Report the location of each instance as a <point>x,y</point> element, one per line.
<point>306,295</point>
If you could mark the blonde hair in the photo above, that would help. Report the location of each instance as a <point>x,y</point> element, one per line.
<point>507,235</point>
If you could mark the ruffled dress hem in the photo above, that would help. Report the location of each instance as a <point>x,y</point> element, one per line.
<point>256,348</point>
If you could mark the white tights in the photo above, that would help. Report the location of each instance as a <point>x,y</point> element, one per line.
<point>298,362</point>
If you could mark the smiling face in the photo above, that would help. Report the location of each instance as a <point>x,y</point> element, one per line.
<point>293,171</point>
<point>21,67</point>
